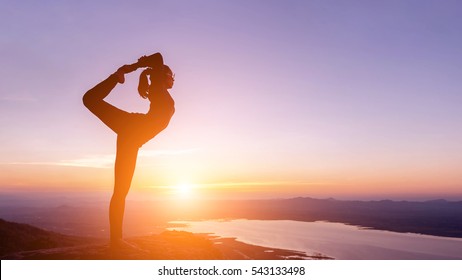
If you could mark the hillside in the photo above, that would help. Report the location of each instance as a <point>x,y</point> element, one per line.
<point>21,241</point>
<point>16,237</point>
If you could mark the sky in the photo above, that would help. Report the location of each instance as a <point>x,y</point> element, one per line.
<point>344,99</point>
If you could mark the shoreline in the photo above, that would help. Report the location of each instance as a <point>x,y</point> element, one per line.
<point>169,245</point>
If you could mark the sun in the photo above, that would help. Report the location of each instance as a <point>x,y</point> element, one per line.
<point>184,190</point>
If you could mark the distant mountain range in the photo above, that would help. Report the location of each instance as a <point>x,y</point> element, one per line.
<point>435,217</point>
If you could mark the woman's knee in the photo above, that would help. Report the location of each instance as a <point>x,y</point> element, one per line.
<point>118,197</point>
<point>88,100</point>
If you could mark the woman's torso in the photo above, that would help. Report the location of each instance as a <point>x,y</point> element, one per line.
<point>144,127</point>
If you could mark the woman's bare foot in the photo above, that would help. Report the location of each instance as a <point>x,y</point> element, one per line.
<point>154,61</point>
<point>122,245</point>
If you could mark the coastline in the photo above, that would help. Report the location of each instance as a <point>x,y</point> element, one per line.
<point>169,245</point>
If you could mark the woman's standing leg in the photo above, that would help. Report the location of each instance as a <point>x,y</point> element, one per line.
<point>123,173</point>
<point>127,150</point>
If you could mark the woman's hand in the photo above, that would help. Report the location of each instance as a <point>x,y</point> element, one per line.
<point>128,68</point>
<point>125,69</point>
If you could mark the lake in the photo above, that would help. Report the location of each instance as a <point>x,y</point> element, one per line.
<point>336,240</point>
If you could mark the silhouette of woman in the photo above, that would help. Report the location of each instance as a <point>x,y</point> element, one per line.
<point>132,129</point>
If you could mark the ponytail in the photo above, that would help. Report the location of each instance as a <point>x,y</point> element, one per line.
<point>143,84</point>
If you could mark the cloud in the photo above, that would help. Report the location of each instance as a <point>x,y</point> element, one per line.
<point>155,153</point>
<point>234,185</point>
<point>94,161</point>
<point>103,160</point>
<point>260,183</point>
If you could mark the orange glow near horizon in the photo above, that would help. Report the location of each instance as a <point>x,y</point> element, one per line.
<point>187,186</point>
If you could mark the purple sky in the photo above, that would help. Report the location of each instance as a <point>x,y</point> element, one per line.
<point>321,98</point>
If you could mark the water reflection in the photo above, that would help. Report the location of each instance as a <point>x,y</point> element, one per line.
<point>335,240</point>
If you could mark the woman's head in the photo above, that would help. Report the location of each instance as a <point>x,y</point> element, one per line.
<point>159,79</point>
<point>169,77</point>
<point>163,77</point>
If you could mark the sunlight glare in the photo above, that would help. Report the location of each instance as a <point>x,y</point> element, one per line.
<point>184,190</point>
